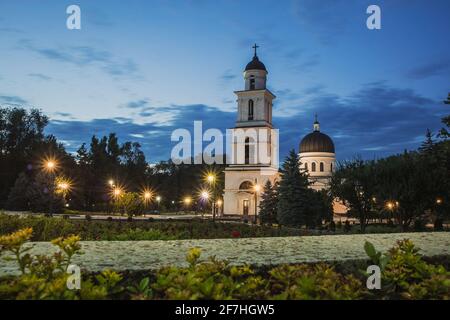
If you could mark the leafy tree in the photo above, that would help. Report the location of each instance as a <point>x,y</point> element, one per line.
<point>354,184</point>
<point>292,193</point>
<point>268,204</point>
<point>17,199</point>
<point>42,197</point>
<point>130,204</point>
<point>21,133</point>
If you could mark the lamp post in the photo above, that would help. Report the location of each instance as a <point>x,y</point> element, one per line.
<point>204,195</point>
<point>187,201</point>
<point>256,189</point>
<point>219,206</point>
<point>158,200</point>
<point>50,165</point>
<point>211,178</point>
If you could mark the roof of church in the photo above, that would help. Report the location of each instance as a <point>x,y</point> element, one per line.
<point>255,64</point>
<point>316,142</point>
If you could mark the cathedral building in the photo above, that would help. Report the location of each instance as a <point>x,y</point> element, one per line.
<point>317,157</point>
<point>254,147</point>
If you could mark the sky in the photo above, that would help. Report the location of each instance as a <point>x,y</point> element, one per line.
<point>142,69</point>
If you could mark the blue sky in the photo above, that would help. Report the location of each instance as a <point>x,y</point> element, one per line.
<point>144,68</point>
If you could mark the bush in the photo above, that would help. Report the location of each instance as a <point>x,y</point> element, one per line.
<point>405,275</point>
<point>419,225</point>
<point>438,224</point>
<point>332,226</point>
<point>45,277</point>
<point>130,204</point>
<point>46,229</point>
<point>347,226</point>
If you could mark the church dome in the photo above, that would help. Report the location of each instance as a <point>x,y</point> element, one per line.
<point>255,64</point>
<point>316,141</point>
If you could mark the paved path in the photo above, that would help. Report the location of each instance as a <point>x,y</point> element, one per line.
<point>142,255</point>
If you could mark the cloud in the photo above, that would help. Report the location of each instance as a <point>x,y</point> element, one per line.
<point>374,121</point>
<point>138,104</point>
<point>154,138</point>
<point>82,56</point>
<point>63,114</point>
<point>429,70</point>
<point>228,76</point>
<point>13,100</point>
<point>40,76</point>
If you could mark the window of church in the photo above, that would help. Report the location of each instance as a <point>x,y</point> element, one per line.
<point>306,166</point>
<point>250,109</point>
<point>252,83</point>
<point>331,167</point>
<point>246,185</point>
<point>322,167</point>
<point>247,150</point>
<point>313,167</point>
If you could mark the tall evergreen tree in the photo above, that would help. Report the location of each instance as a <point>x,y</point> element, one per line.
<point>292,193</point>
<point>268,204</point>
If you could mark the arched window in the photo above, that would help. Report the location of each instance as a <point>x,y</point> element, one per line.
<point>247,150</point>
<point>246,185</point>
<point>313,167</point>
<point>306,166</point>
<point>322,167</point>
<point>331,167</point>
<point>250,109</point>
<point>252,83</point>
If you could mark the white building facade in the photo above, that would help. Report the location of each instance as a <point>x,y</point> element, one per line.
<point>317,157</point>
<point>254,153</point>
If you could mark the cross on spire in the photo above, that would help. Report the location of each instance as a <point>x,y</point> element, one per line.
<point>255,47</point>
<point>316,124</point>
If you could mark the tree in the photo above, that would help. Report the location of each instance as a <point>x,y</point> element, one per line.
<point>268,204</point>
<point>42,197</point>
<point>130,204</point>
<point>354,184</point>
<point>21,133</point>
<point>292,193</point>
<point>17,199</point>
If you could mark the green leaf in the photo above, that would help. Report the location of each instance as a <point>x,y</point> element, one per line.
<point>144,283</point>
<point>370,251</point>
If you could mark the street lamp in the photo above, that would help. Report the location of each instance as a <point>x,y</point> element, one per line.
<point>219,206</point>
<point>187,202</point>
<point>50,165</point>
<point>211,179</point>
<point>158,200</point>
<point>256,190</point>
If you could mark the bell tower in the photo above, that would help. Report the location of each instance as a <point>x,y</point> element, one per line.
<point>254,147</point>
<point>256,101</point>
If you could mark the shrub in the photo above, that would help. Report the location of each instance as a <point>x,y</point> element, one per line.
<point>45,277</point>
<point>130,204</point>
<point>405,275</point>
<point>438,224</point>
<point>347,226</point>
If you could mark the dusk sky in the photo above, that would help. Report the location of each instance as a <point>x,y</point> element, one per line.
<point>144,68</point>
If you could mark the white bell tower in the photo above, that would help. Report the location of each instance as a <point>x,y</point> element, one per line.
<point>254,148</point>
